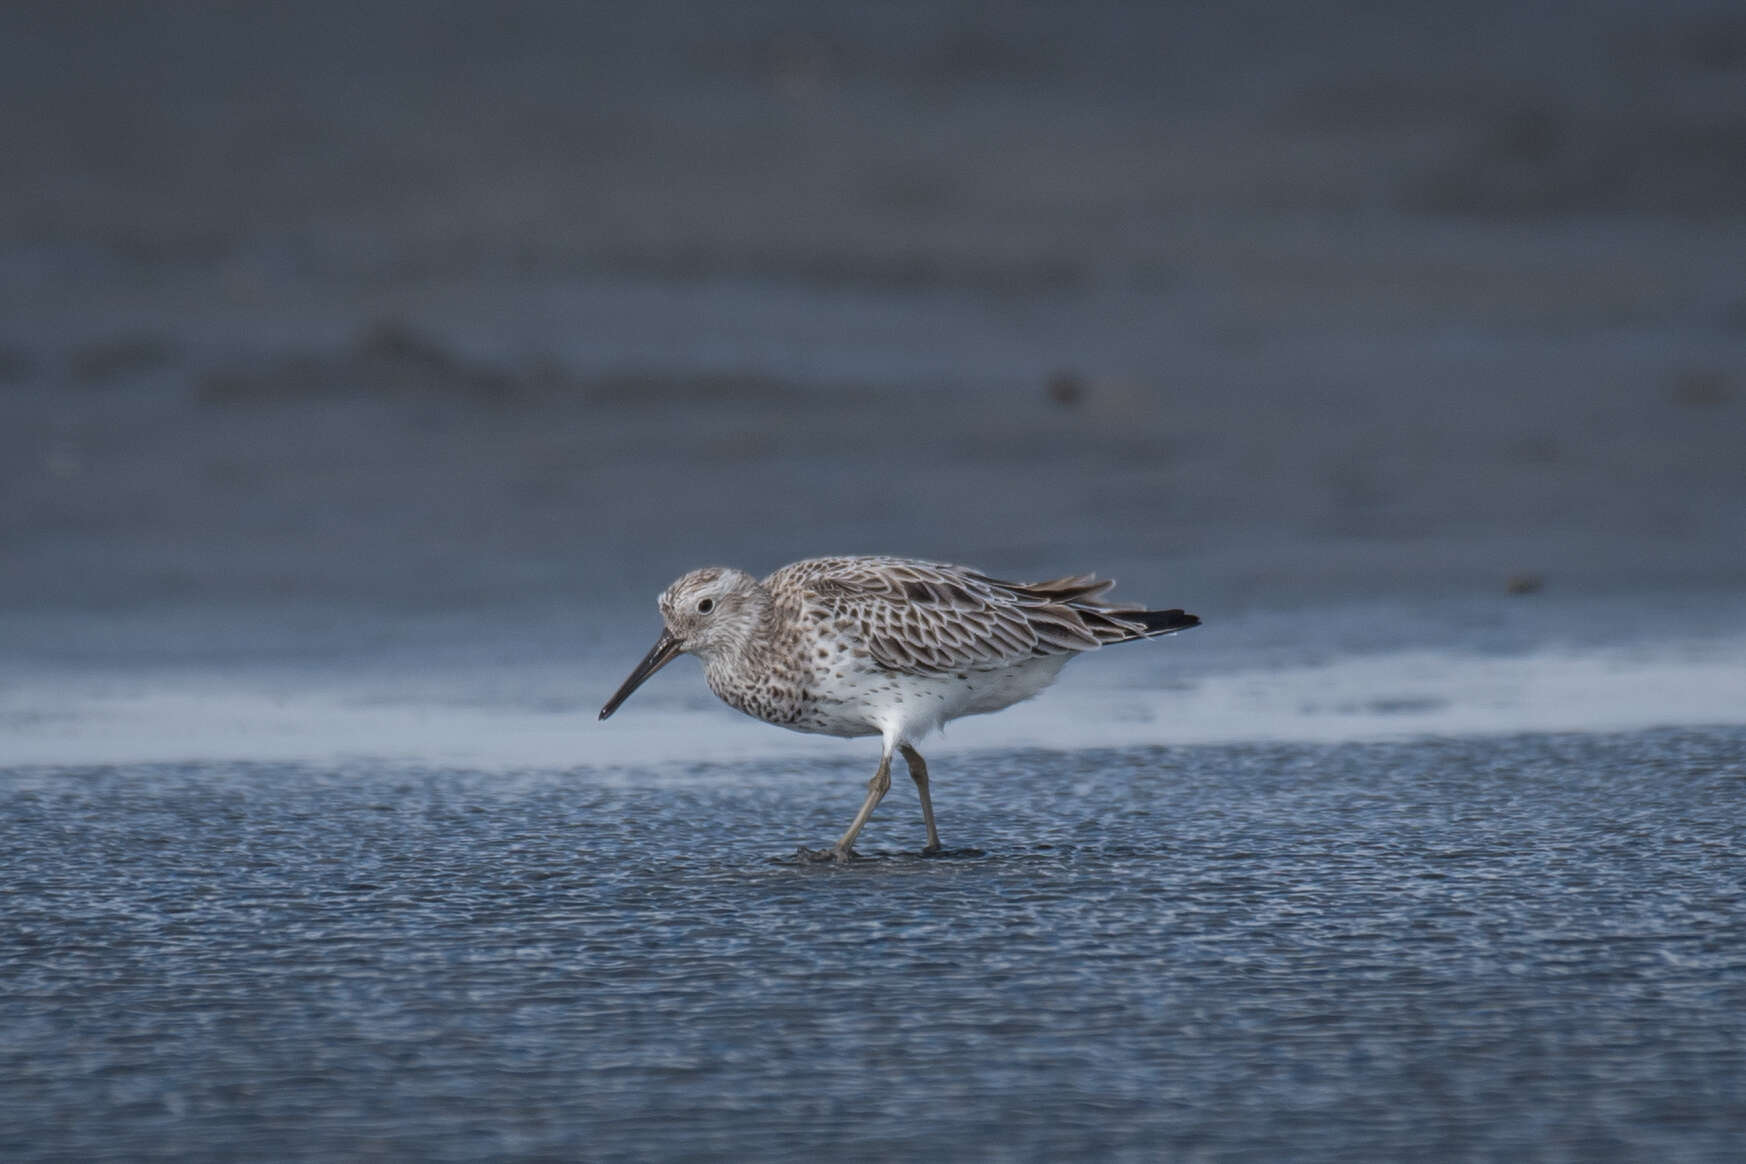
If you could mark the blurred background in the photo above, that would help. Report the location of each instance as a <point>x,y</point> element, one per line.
<point>335,329</point>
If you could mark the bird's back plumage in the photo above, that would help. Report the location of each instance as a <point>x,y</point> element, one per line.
<point>927,618</point>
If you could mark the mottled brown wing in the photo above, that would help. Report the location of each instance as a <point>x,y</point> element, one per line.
<point>927,618</point>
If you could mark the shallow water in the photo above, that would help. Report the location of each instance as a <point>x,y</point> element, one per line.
<point>1488,948</point>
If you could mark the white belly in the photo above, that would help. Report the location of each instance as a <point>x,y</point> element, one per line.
<point>872,702</point>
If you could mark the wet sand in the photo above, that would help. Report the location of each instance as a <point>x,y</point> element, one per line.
<point>1523,947</point>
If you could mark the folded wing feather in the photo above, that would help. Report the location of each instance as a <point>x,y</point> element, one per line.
<point>926,618</point>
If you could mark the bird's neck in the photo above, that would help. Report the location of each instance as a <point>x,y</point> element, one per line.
<point>742,646</point>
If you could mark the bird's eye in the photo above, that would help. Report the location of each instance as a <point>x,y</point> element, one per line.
<point>706,605</point>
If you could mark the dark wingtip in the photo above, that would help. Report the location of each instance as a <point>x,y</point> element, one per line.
<point>1163,622</point>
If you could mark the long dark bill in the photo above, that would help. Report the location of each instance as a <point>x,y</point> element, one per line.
<point>666,649</point>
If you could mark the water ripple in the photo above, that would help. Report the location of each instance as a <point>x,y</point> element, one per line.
<point>1530,946</point>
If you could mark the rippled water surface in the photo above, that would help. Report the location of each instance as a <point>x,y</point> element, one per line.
<point>1529,947</point>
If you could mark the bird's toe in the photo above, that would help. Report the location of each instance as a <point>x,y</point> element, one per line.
<point>826,856</point>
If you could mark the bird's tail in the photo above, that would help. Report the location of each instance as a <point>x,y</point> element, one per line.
<point>1160,622</point>
<point>1127,626</point>
<point>1072,614</point>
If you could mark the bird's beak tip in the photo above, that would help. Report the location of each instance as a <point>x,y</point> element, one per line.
<point>665,650</point>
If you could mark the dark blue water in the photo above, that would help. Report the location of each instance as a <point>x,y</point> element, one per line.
<point>1486,949</point>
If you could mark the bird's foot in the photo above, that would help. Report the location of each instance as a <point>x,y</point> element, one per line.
<point>826,856</point>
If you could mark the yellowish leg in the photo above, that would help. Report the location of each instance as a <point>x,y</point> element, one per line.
<point>877,787</point>
<point>918,771</point>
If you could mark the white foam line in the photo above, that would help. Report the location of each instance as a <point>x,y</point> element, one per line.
<point>1403,695</point>
<point>463,719</point>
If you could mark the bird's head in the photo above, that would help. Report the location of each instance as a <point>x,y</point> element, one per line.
<point>704,611</point>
